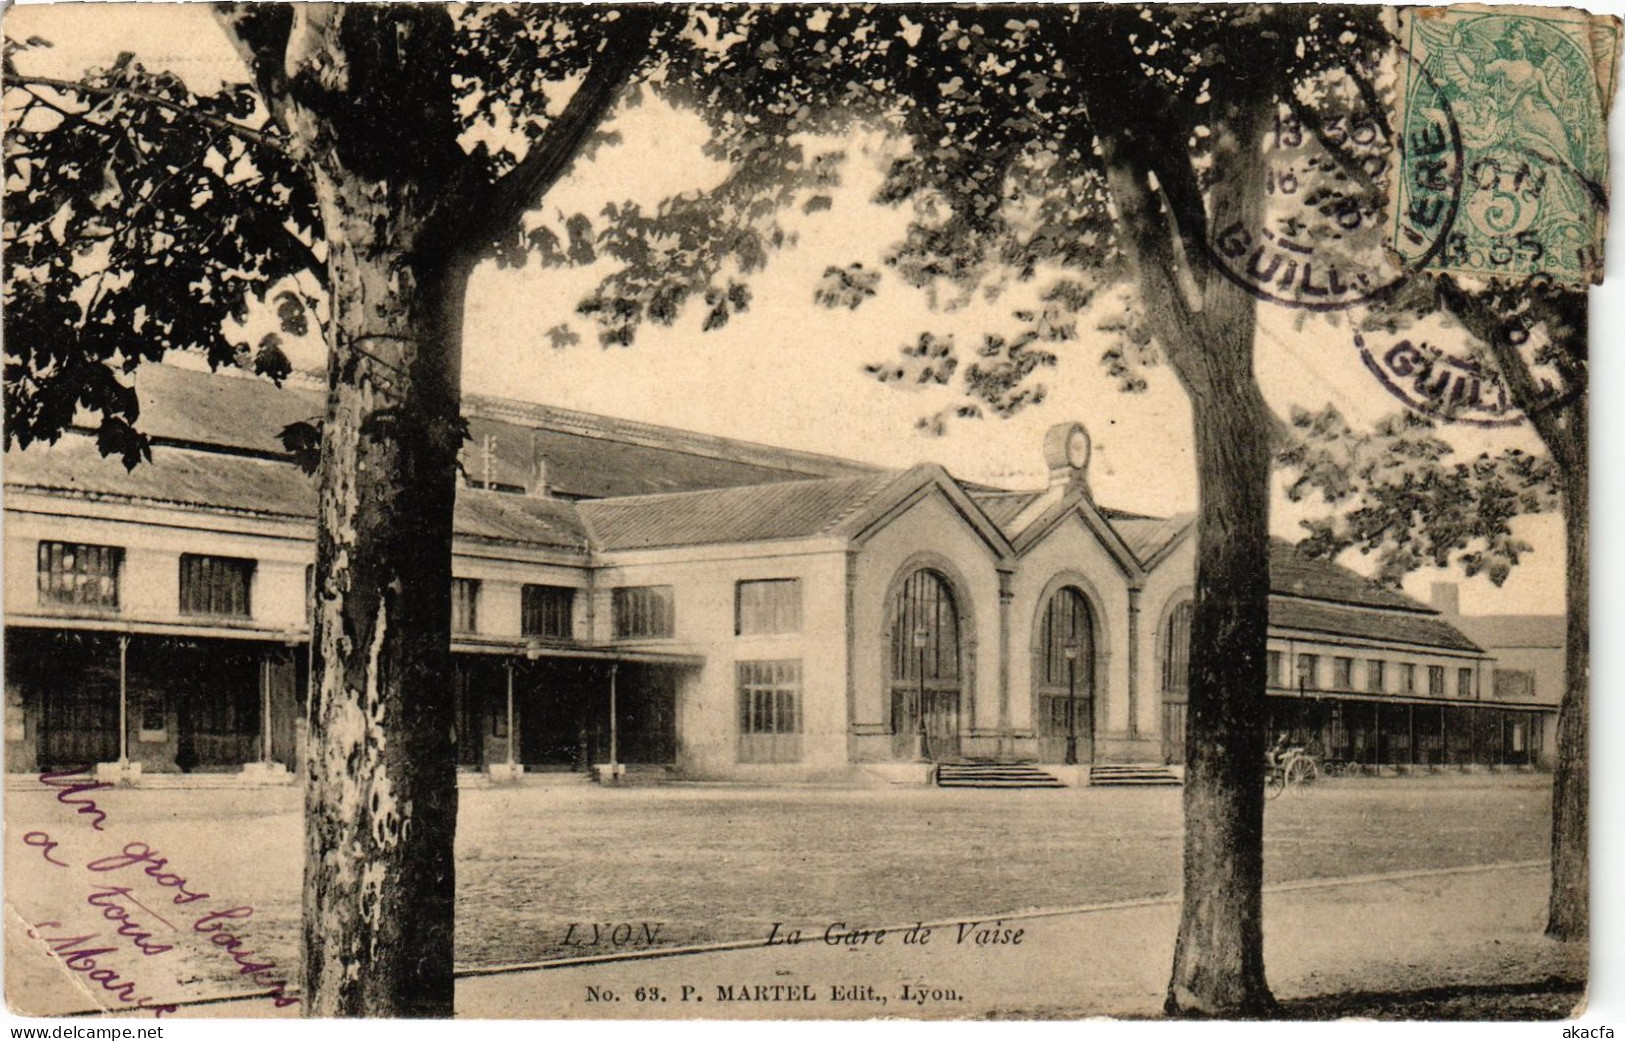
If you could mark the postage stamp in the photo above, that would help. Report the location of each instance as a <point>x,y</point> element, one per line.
<point>1528,92</point>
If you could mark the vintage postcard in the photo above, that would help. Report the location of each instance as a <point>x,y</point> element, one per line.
<point>826,512</point>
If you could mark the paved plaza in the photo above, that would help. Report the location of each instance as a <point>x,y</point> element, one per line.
<point>1371,882</point>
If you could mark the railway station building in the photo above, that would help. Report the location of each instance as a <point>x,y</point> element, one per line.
<point>687,606</point>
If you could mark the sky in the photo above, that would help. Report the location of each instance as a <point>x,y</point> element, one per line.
<point>788,372</point>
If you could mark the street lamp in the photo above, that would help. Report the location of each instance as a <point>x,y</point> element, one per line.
<point>1071,653</point>
<point>922,636</point>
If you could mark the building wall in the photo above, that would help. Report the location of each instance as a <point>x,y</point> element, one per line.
<point>704,583</point>
<point>1544,663</point>
<point>153,541</point>
<point>929,533</point>
<point>1071,555</point>
<point>499,608</point>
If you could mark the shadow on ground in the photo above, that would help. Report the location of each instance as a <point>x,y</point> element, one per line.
<point>1555,997</point>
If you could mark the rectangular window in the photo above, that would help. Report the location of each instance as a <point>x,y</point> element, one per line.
<point>547,611</point>
<point>1309,671</point>
<point>767,606</point>
<point>1407,679</point>
<point>770,711</point>
<point>1436,681</point>
<point>465,605</point>
<point>1376,675</point>
<point>1343,673</point>
<point>1464,683</point>
<point>77,574</point>
<point>1277,667</point>
<point>216,586</point>
<point>644,611</point>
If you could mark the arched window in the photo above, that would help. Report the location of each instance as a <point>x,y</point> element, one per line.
<point>1064,710</point>
<point>925,636</point>
<point>925,667</point>
<point>1068,638</point>
<point>1176,649</point>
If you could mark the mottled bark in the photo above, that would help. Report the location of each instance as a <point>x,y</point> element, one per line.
<point>381,794</point>
<point>363,96</point>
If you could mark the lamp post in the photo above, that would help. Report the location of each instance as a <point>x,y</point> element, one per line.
<point>921,637</point>
<point>1071,654</point>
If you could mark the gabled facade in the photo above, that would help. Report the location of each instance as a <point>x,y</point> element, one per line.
<point>708,608</point>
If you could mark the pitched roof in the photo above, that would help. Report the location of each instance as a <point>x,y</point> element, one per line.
<point>519,518</point>
<point>226,409</point>
<point>1002,507</point>
<point>174,476</point>
<point>1294,573</point>
<point>1148,536</point>
<point>1385,626</point>
<point>587,456</point>
<point>784,510</point>
<point>1508,631</point>
<point>264,487</point>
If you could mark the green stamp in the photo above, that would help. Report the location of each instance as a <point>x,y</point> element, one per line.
<point>1527,94</point>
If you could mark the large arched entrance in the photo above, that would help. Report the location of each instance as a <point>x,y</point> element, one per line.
<point>1065,679</point>
<point>1176,667</point>
<point>927,670</point>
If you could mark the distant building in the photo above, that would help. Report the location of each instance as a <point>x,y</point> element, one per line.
<point>1529,656</point>
<point>718,609</point>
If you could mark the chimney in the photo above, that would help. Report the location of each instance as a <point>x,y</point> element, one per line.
<point>1447,598</point>
<point>538,468</point>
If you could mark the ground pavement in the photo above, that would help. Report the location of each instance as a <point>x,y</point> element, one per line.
<point>1404,931</point>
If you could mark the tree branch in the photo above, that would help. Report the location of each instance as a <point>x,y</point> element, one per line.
<point>248,134</point>
<point>493,213</point>
<point>1485,322</point>
<point>1149,238</point>
<point>259,33</point>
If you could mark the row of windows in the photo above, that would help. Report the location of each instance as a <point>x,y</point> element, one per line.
<point>80,575</point>
<point>1376,675</point>
<point>88,575</point>
<point>1176,667</point>
<point>763,606</point>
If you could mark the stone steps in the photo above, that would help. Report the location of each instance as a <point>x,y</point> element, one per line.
<point>994,775</point>
<point>1133,775</point>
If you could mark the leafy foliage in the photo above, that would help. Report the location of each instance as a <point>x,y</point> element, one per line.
<point>992,120</point>
<point>144,217</point>
<point>1398,493</point>
<point>139,219</point>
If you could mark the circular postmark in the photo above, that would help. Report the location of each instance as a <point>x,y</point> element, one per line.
<point>1363,176</point>
<point>1449,386</point>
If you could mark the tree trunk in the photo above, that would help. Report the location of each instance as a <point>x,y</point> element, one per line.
<point>381,794</point>
<point>1219,954</point>
<point>1570,901</point>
